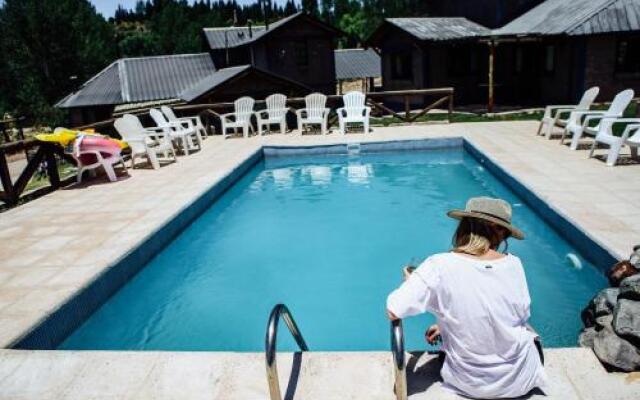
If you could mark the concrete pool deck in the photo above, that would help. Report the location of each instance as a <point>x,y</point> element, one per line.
<point>56,245</point>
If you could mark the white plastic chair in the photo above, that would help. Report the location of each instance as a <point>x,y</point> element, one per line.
<point>274,114</point>
<point>177,131</point>
<point>553,114</point>
<point>143,141</point>
<point>103,159</point>
<point>354,111</point>
<point>605,135</point>
<point>577,127</point>
<point>240,118</point>
<point>189,122</point>
<point>315,112</point>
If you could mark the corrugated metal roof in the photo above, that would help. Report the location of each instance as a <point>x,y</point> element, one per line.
<point>221,38</point>
<point>153,78</point>
<point>211,82</point>
<point>131,80</point>
<point>357,63</point>
<point>576,17</point>
<point>102,89</point>
<point>440,28</point>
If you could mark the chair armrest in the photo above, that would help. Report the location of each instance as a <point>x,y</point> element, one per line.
<point>225,117</point>
<point>367,111</point>
<point>300,111</point>
<point>341,111</point>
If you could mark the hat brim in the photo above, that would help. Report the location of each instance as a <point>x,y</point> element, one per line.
<point>459,214</point>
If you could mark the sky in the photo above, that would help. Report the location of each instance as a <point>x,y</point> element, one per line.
<point>108,7</point>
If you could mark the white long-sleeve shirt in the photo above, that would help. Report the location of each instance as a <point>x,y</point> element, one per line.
<point>482,309</point>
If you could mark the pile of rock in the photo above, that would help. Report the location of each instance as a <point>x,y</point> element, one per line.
<point>612,325</point>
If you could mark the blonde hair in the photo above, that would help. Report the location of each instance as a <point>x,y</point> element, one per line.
<point>476,237</point>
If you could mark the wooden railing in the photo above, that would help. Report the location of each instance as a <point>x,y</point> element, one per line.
<point>47,155</point>
<point>39,154</point>
<point>210,112</point>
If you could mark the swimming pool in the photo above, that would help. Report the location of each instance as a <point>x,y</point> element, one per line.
<point>326,235</point>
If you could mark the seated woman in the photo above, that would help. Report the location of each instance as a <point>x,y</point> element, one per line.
<point>481,300</point>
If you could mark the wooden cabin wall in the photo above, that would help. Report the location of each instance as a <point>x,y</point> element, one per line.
<point>601,69</point>
<point>283,53</point>
<point>462,65</point>
<point>402,49</point>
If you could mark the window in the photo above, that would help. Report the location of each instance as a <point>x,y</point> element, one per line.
<point>628,56</point>
<point>549,58</point>
<point>402,66</point>
<point>301,54</point>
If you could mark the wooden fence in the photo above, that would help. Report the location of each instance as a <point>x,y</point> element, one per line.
<point>46,156</point>
<point>376,100</point>
<point>39,155</point>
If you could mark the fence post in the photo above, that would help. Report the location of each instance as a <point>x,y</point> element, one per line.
<point>450,113</point>
<point>5,178</point>
<point>52,166</point>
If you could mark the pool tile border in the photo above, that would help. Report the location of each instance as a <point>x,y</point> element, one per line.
<point>55,327</point>
<point>594,252</point>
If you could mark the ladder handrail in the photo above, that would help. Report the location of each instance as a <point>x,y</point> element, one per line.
<point>397,349</point>
<point>271,342</point>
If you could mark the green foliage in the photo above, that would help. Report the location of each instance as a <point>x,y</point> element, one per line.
<point>46,43</point>
<point>50,47</point>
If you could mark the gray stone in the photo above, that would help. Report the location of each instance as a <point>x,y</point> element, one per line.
<point>613,350</point>
<point>626,320</point>
<point>586,337</point>
<point>601,305</point>
<point>630,288</point>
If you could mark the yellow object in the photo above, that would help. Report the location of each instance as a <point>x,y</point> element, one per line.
<point>64,136</point>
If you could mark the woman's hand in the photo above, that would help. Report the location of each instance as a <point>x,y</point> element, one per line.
<point>432,335</point>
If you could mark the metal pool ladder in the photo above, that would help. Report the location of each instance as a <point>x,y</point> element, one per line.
<point>397,349</point>
<point>270,345</point>
<point>280,310</point>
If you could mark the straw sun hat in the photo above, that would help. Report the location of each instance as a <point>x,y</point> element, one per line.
<point>497,211</point>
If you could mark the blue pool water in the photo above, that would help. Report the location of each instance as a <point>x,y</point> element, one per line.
<point>328,237</point>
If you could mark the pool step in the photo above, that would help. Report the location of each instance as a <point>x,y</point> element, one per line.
<point>574,374</point>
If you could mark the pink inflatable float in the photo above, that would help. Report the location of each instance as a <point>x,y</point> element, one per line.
<point>97,151</point>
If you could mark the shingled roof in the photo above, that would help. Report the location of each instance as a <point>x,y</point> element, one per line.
<point>131,80</point>
<point>357,64</point>
<point>575,17</point>
<point>439,28</point>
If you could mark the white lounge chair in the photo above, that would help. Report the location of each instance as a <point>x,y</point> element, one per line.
<point>274,114</point>
<point>189,122</point>
<point>178,132</point>
<point>605,135</point>
<point>239,118</point>
<point>315,112</point>
<point>354,111</point>
<point>143,141</point>
<point>553,114</point>
<point>578,127</point>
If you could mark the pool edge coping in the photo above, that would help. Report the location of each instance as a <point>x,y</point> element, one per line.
<point>186,214</point>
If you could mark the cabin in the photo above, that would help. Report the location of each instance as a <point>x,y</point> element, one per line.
<point>299,47</point>
<point>353,65</point>
<point>557,50</point>
<point>131,83</point>
<point>293,56</point>
<point>549,54</point>
<point>421,53</point>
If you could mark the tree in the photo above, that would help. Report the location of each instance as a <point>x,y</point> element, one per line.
<point>310,6</point>
<point>47,43</point>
